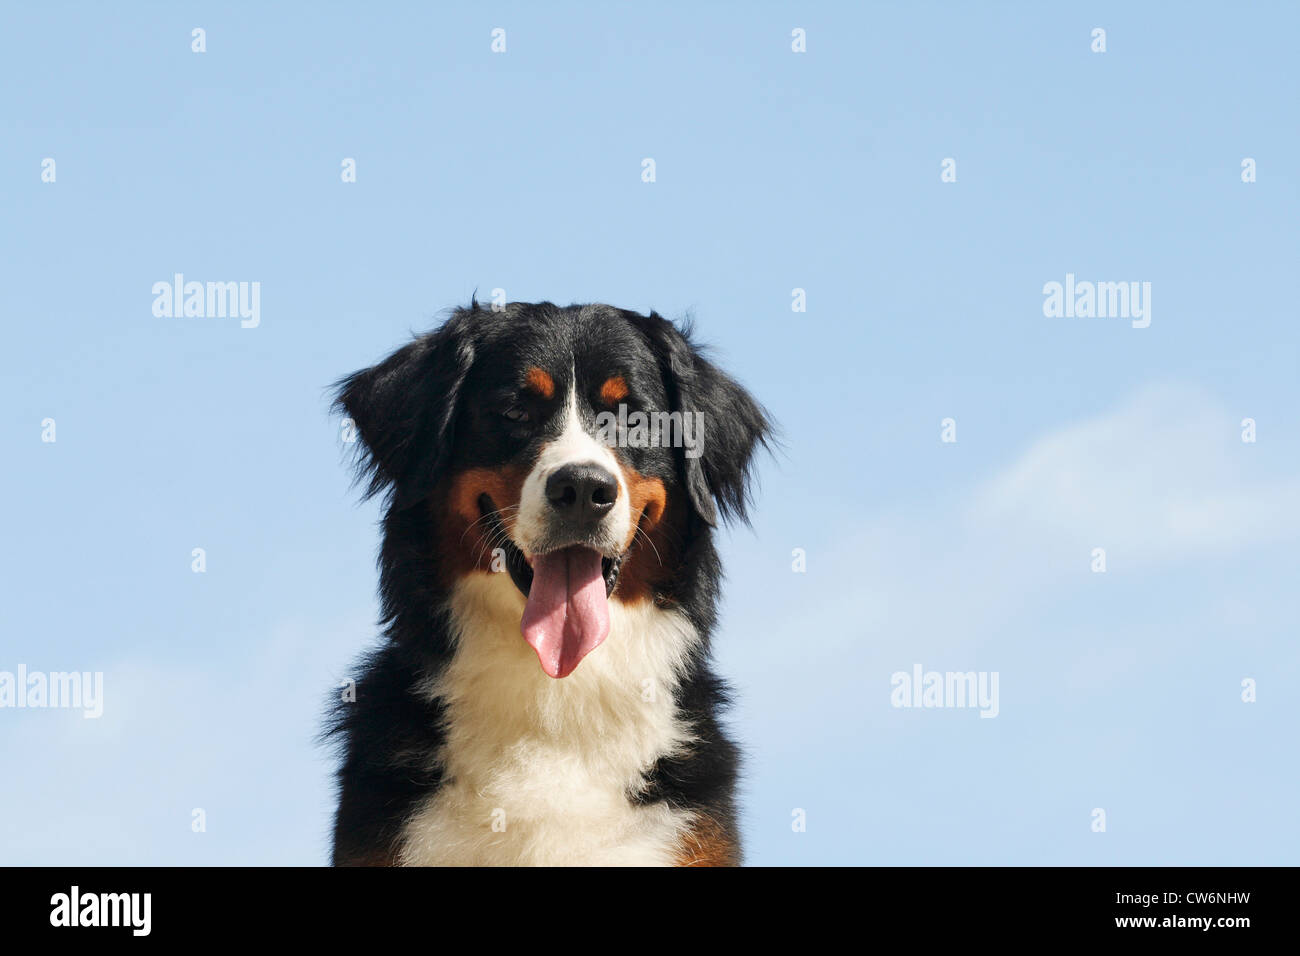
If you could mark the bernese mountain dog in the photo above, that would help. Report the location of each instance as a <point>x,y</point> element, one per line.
<point>543,694</point>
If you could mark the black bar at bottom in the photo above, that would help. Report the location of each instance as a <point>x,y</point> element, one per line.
<point>1177,904</point>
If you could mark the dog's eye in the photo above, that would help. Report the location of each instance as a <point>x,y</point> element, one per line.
<point>516,413</point>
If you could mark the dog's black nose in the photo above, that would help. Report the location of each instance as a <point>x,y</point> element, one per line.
<point>583,494</point>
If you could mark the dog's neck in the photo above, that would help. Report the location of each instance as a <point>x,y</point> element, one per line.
<point>493,687</point>
<point>557,760</point>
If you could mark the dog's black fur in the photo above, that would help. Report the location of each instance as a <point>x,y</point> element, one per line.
<point>431,410</point>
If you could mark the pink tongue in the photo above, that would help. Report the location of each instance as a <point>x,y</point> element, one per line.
<point>567,614</point>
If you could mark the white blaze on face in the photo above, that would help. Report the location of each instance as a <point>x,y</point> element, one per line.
<point>574,446</point>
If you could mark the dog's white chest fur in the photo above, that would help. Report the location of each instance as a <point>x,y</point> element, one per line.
<point>541,771</point>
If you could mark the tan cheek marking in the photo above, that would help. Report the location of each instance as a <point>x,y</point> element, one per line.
<point>614,390</point>
<point>652,554</point>
<point>647,498</point>
<point>540,381</point>
<point>464,536</point>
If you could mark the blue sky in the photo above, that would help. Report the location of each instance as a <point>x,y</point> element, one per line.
<point>775,170</point>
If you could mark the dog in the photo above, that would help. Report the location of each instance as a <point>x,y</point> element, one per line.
<point>549,583</point>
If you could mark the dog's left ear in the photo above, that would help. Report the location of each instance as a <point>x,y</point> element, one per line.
<point>718,472</point>
<point>405,408</point>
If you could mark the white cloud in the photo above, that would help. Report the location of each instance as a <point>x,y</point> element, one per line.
<point>1160,479</point>
<point>1164,477</point>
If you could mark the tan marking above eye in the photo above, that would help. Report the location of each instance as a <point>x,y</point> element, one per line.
<point>614,390</point>
<point>540,381</point>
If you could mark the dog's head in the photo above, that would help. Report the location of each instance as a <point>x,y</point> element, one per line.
<point>579,449</point>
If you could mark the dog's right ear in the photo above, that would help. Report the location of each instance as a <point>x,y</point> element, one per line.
<point>404,410</point>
